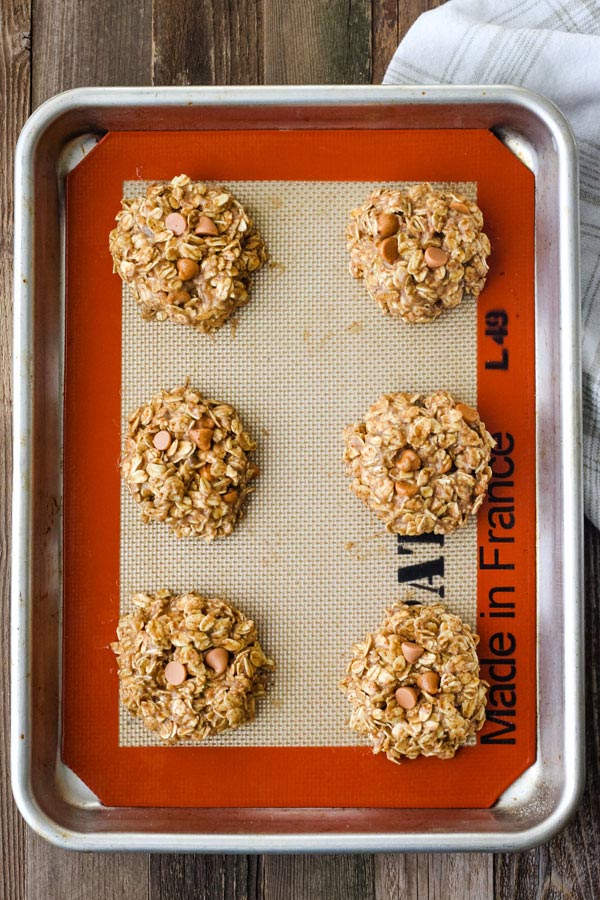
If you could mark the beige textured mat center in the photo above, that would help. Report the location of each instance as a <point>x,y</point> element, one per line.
<point>309,354</point>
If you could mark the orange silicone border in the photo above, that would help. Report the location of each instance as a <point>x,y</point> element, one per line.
<point>278,776</point>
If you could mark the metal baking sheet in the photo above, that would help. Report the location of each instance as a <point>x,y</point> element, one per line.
<point>50,797</point>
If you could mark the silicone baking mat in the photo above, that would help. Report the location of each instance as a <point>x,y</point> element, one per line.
<point>309,563</point>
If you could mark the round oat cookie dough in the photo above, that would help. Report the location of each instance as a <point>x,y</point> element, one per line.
<point>414,684</point>
<point>420,463</point>
<point>189,666</point>
<point>418,251</point>
<point>187,251</point>
<point>187,463</point>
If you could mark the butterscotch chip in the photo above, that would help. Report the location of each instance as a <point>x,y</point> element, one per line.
<point>189,666</point>
<point>388,249</point>
<point>175,673</point>
<point>186,232</point>
<point>411,651</point>
<point>409,461</point>
<point>206,227</point>
<point>187,268</point>
<point>195,480</point>
<point>387,224</point>
<point>217,660</point>
<point>433,255</point>
<point>162,440</point>
<point>406,697</point>
<point>429,682</point>
<point>430,706</point>
<point>421,464</point>
<point>176,223</point>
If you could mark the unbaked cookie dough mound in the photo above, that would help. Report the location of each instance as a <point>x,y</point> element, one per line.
<point>186,462</point>
<point>418,251</point>
<point>414,685</point>
<point>421,464</point>
<point>187,251</point>
<point>189,666</point>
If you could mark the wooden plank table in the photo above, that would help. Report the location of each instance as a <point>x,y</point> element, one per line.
<point>48,46</point>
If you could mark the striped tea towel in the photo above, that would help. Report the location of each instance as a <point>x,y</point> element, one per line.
<point>553,47</point>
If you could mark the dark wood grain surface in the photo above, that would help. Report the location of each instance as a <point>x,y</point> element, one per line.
<point>15,75</point>
<point>47,46</point>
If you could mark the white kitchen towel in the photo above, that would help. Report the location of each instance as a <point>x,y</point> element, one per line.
<point>553,47</point>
